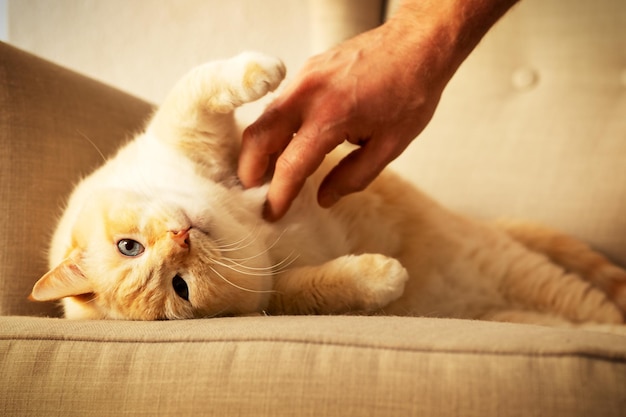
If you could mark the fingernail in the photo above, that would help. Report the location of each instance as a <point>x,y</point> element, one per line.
<point>328,199</point>
<point>268,213</point>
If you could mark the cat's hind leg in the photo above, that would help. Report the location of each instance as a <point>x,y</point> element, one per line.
<point>573,255</point>
<point>539,285</point>
<point>348,284</point>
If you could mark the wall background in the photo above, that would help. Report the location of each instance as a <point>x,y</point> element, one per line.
<point>4,24</point>
<point>144,46</point>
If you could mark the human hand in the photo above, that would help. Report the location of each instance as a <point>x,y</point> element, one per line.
<point>378,90</point>
<point>362,92</point>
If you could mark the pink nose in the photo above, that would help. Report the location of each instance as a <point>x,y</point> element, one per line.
<point>181,238</point>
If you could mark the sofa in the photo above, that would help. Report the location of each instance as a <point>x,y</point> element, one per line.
<point>533,126</point>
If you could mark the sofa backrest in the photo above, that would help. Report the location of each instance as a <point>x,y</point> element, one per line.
<point>533,125</point>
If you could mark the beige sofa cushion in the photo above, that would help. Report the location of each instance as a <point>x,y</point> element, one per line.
<point>307,366</point>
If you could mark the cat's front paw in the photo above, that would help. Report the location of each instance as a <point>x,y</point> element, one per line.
<point>261,74</point>
<point>222,86</point>
<point>381,281</point>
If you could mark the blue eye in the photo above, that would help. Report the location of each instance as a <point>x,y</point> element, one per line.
<point>129,247</point>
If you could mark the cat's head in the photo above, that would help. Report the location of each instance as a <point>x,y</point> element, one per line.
<point>132,257</point>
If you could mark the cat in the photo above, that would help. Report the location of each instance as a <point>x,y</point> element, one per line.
<point>164,230</point>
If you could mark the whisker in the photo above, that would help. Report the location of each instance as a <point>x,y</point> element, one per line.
<point>240,287</point>
<point>91,299</point>
<point>217,314</point>
<point>92,144</point>
<point>272,269</point>
<point>243,239</point>
<point>285,263</point>
<point>252,273</point>
<point>270,247</point>
<point>238,245</point>
<point>259,271</point>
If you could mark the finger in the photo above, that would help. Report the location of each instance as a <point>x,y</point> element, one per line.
<point>260,144</point>
<point>302,156</point>
<point>356,171</point>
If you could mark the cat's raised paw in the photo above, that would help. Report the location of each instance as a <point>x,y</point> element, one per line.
<point>261,73</point>
<point>222,86</point>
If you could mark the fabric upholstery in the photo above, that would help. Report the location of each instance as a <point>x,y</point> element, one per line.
<point>308,366</point>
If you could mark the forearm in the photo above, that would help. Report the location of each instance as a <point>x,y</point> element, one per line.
<point>448,30</point>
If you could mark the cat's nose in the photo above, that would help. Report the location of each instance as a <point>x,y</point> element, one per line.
<point>181,238</point>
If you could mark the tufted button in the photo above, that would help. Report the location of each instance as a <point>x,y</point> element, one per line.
<point>524,78</point>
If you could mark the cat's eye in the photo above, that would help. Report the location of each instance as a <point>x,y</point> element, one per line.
<point>180,287</point>
<point>130,247</point>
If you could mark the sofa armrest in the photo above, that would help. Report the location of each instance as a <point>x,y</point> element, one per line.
<point>55,125</point>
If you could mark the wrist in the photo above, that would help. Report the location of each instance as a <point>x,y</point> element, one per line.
<point>446,31</point>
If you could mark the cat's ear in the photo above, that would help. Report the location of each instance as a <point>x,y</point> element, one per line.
<point>65,280</point>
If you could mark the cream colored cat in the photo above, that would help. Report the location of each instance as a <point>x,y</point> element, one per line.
<point>164,231</point>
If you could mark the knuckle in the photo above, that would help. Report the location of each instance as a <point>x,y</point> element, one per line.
<point>256,132</point>
<point>251,134</point>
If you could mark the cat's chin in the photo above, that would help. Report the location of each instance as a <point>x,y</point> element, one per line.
<point>76,309</point>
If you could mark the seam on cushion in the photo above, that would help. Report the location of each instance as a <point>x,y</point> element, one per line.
<point>563,354</point>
